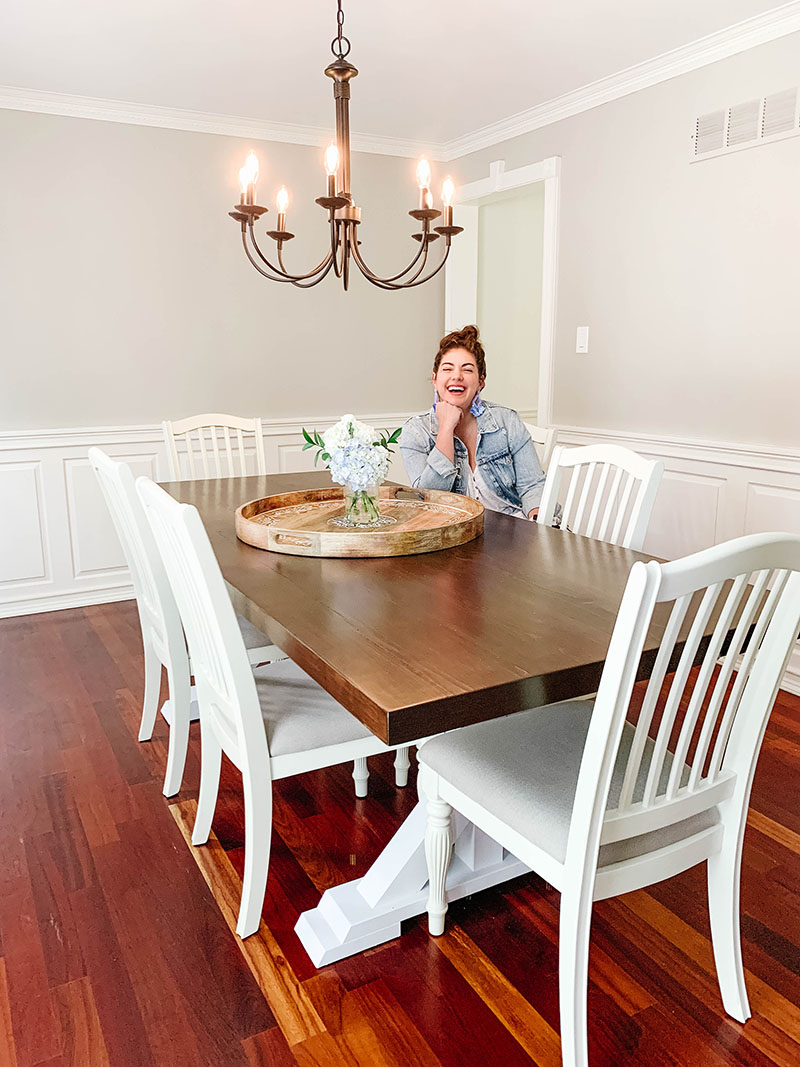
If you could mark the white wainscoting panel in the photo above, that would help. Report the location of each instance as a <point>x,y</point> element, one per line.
<point>95,547</point>
<point>22,542</point>
<point>686,515</point>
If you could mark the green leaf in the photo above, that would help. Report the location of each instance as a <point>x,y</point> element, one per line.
<point>309,444</point>
<point>395,437</point>
<point>308,436</point>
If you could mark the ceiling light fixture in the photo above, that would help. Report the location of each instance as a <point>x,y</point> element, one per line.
<point>343,215</point>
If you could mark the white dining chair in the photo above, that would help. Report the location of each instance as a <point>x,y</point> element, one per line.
<point>162,634</point>
<point>544,441</point>
<point>215,446</point>
<point>599,805</point>
<point>272,723</point>
<point>610,495</point>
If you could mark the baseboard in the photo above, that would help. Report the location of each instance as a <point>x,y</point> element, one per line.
<point>63,601</point>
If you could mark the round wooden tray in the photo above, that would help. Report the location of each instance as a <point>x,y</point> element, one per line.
<point>298,523</point>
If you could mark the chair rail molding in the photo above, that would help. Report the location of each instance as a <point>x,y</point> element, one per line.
<point>60,549</point>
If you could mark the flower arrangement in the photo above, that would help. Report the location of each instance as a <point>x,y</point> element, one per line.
<point>357,461</point>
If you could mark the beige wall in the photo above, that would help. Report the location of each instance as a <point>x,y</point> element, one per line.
<point>125,296</point>
<point>510,294</point>
<point>687,275</point>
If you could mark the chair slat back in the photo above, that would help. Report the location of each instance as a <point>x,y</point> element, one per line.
<point>609,496</point>
<point>544,441</point>
<point>698,732</point>
<point>215,446</point>
<point>157,609</point>
<point>226,689</point>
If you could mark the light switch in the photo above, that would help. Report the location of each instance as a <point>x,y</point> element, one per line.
<point>582,339</point>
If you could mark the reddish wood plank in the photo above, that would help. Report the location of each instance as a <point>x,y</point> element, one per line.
<point>82,1037</point>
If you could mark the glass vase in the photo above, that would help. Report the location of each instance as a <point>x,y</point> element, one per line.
<point>361,507</point>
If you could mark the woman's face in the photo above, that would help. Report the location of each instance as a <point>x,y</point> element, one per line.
<point>456,380</point>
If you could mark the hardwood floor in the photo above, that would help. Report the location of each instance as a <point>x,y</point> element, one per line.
<point>116,942</point>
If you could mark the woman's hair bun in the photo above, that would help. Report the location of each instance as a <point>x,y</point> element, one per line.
<point>467,338</point>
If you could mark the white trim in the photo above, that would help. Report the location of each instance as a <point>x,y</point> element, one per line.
<point>153,433</point>
<point>461,276</point>
<point>771,25</point>
<point>757,457</point>
<point>61,601</point>
<point>88,107</point>
<point>791,680</point>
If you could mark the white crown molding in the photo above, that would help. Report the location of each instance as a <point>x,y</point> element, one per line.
<point>769,26</point>
<point>87,107</point>
<point>773,24</point>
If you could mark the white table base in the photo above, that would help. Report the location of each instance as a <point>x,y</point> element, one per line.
<point>194,708</point>
<point>368,911</point>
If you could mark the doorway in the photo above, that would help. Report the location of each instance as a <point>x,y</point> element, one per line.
<point>504,278</point>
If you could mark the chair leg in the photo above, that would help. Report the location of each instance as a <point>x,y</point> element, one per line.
<point>210,764</point>
<point>575,924</point>
<point>438,848</point>
<point>152,691</point>
<point>180,696</point>
<point>257,840</point>
<point>723,908</point>
<point>361,775</point>
<point>401,765</point>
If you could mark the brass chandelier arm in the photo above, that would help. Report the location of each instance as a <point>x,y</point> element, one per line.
<point>423,251</point>
<point>259,268</point>
<point>279,272</point>
<point>387,283</point>
<point>312,273</point>
<point>278,278</point>
<point>336,244</point>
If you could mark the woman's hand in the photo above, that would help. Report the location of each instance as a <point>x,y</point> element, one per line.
<point>448,415</point>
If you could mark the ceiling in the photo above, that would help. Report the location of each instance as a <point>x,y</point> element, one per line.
<point>429,71</point>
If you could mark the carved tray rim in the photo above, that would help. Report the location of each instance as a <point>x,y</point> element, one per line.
<point>358,543</point>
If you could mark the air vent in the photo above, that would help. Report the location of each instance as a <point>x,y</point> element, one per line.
<point>746,125</point>
<point>780,113</point>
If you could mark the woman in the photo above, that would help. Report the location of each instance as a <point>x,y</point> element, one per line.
<point>467,445</point>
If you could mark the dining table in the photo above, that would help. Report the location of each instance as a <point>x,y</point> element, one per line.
<point>415,645</point>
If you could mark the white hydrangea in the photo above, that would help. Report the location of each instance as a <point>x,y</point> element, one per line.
<point>348,430</point>
<point>358,465</point>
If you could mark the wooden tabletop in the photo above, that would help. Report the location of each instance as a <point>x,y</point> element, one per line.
<point>413,645</point>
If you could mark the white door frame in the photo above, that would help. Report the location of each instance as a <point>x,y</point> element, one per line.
<point>461,272</point>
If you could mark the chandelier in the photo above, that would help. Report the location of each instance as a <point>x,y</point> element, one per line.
<point>344,217</point>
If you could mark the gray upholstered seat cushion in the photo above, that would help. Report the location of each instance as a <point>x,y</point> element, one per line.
<point>524,770</point>
<point>253,638</point>
<point>298,714</point>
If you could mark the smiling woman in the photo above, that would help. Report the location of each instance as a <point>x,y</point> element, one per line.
<point>467,445</point>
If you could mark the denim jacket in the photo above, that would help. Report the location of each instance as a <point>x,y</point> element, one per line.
<point>505,455</point>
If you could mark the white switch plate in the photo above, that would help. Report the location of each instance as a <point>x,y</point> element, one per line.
<point>582,339</point>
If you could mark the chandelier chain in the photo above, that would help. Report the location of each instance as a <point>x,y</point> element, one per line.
<point>339,42</point>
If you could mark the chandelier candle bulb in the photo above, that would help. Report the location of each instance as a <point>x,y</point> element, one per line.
<point>448,189</point>
<point>331,167</point>
<point>424,181</point>
<point>282,201</point>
